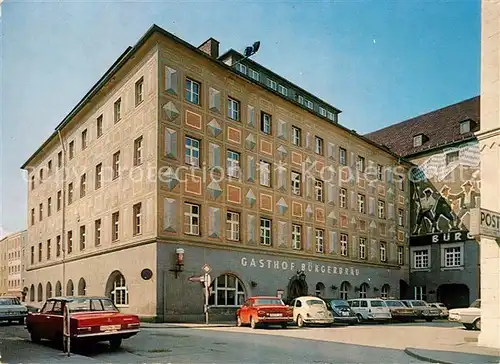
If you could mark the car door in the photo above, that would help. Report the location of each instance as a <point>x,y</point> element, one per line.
<point>39,320</point>
<point>244,314</point>
<point>55,320</point>
<point>297,309</point>
<point>363,308</point>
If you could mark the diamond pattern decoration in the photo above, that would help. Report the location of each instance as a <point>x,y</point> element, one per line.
<point>214,128</point>
<point>170,143</point>
<point>332,218</point>
<point>251,239</point>
<point>170,178</point>
<point>250,168</point>
<point>309,212</point>
<point>250,197</point>
<point>332,247</point>
<point>390,194</point>
<point>214,222</point>
<point>171,111</point>
<point>250,141</point>
<point>170,215</point>
<point>282,129</point>
<point>282,206</point>
<point>392,231</point>
<point>282,152</point>
<point>308,238</point>
<point>373,225</point>
<point>353,221</point>
<point>281,178</point>
<point>282,234</point>
<point>251,116</point>
<point>214,190</point>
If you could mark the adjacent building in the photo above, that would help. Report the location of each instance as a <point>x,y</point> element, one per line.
<point>179,159</point>
<point>12,265</point>
<point>444,257</point>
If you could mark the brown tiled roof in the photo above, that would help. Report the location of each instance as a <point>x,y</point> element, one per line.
<point>441,127</point>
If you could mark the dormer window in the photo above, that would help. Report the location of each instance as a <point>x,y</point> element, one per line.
<point>418,140</point>
<point>465,127</point>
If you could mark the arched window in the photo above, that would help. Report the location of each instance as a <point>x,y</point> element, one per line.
<point>116,289</point>
<point>32,293</point>
<point>320,289</point>
<point>70,288</point>
<point>58,289</point>
<point>363,289</point>
<point>384,293</point>
<point>227,290</point>
<point>48,290</point>
<point>344,290</point>
<point>82,287</point>
<point>39,293</point>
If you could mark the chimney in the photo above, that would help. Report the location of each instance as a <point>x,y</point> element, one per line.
<point>210,47</point>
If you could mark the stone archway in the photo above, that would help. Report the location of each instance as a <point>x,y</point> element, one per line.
<point>320,289</point>
<point>117,289</point>
<point>404,290</point>
<point>455,295</point>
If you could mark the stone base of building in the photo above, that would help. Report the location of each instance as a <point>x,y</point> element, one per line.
<point>490,335</point>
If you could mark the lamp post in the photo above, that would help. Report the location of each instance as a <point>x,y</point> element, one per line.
<point>249,51</point>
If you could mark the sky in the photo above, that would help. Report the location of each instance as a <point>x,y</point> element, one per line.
<point>380,62</point>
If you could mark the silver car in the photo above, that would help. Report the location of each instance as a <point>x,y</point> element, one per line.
<point>12,310</point>
<point>423,310</point>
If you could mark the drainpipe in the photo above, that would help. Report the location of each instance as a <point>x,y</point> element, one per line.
<point>63,227</point>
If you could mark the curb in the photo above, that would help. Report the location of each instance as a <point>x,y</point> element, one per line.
<point>410,352</point>
<point>183,326</point>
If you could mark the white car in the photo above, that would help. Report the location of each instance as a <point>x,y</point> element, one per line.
<point>310,310</point>
<point>470,317</point>
<point>370,309</point>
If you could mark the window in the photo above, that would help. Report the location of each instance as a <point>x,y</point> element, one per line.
<point>82,237</point>
<point>227,290</point>
<point>99,126</point>
<point>192,151</point>
<point>383,252</point>
<point>296,237</point>
<point>59,160</point>
<point>272,84</point>
<point>384,293</point>
<point>300,99</point>
<point>84,139</point>
<point>233,164</point>
<point>296,183</point>
<point>343,156</point>
<point>344,245</point>
<point>400,255</point>
<point>32,255</point>
<point>98,176</point>
<point>322,111</point>
<point>361,203</point>
<point>137,210</point>
<point>83,185</point>
<point>309,104</point>
<point>452,255</point>
<point>40,249</point>
<point>362,248</point>
<point>282,90</point>
<point>361,164</point>
<point>464,127</point>
<point>49,167</point>
<point>343,198</point>
<point>192,219</point>
<point>344,289</point>
<point>318,145</point>
<point>242,68</point>
<point>70,242</point>
<point>362,291</point>
<point>381,209</point>
<point>265,231</point>
<point>233,109</point>
<point>41,175</point>
<point>40,211</point>
<point>119,293</point>
<point>59,200</point>
<point>401,217</point>
<point>117,110</point>
<point>32,182</point>
<point>318,190</point>
<point>70,193</point>
<point>139,91</point>
<point>417,140</point>
<point>138,151</point>
<point>233,226</point>
<point>331,116</point>
<point>116,165</point>
<point>253,74</point>
<point>380,172</point>
<point>320,242</point>
<point>192,91</point>
<point>58,246</point>
<point>296,136</point>
<point>115,226</point>
<point>265,174</point>
<point>265,123</point>
<point>49,206</point>
<point>97,232</point>
<point>419,293</point>
<point>452,157</point>
<point>71,149</point>
<point>421,258</point>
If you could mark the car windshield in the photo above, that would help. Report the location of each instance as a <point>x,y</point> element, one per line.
<point>394,303</point>
<point>314,302</point>
<point>339,304</point>
<point>377,303</point>
<point>269,301</point>
<point>91,305</point>
<point>476,304</point>
<point>418,303</point>
<point>9,301</point>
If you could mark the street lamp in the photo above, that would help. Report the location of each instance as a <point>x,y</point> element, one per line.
<point>249,51</point>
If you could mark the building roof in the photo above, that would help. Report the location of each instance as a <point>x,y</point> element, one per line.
<point>440,127</point>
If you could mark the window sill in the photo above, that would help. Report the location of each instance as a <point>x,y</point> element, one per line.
<point>451,268</point>
<point>122,306</point>
<point>420,270</point>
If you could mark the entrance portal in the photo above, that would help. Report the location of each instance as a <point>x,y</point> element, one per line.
<point>453,295</point>
<point>403,290</point>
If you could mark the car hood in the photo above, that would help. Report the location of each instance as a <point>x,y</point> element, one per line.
<point>19,308</point>
<point>463,311</point>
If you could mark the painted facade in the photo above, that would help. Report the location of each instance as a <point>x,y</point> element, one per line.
<point>12,266</point>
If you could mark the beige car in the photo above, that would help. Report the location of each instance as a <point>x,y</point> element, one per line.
<point>441,307</point>
<point>470,317</point>
<point>311,310</point>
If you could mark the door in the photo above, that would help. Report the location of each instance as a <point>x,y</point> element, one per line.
<point>297,309</point>
<point>244,316</point>
<point>363,309</point>
<point>40,324</point>
<point>54,322</point>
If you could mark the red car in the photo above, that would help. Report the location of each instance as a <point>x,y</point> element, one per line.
<point>92,319</point>
<point>264,310</point>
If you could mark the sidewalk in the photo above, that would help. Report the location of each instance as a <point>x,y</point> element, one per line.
<point>453,357</point>
<point>148,325</point>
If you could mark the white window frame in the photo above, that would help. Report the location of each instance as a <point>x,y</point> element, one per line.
<point>318,190</point>
<point>320,241</point>
<point>361,164</point>
<point>272,84</point>
<point>233,109</point>
<point>344,245</point>
<point>322,111</point>
<point>97,232</point>
<point>296,237</point>
<point>265,174</point>
<point>400,255</point>
<point>344,290</point>
<point>242,68</point>
<point>318,145</point>
<point>192,219</point>
<point>296,136</point>
<point>381,209</point>
<point>192,91</point>
<point>139,91</point>
<point>331,115</point>
<point>380,172</point>
<point>363,290</point>
<point>452,157</point>
<point>265,231</point>
<point>119,293</point>
<point>138,151</point>
<point>265,123</point>
<point>233,226</point>
<point>465,127</point>
<point>116,165</point>
<point>419,293</point>
<point>83,237</point>
<point>190,150</point>
<point>401,214</point>
<point>283,90</point>
<point>137,210</point>
<point>309,104</point>
<point>418,140</point>
<point>361,203</point>
<point>233,164</point>
<point>420,254</point>
<point>300,99</point>
<point>115,235</point>
<point>342,156</point>
<point>296,183</point>
<point>445,253</point>
<point>238,291</point>
<point>384,291</point>
<point>362,248</point>
<point>383,252</point>
<point>343,198</point>
<point>254,74</point>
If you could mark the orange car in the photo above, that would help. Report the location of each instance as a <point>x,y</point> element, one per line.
<point>263,310</point>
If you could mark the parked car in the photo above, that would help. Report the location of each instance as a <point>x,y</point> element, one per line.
<point>12,310</point>
<point>400,312</point>
<point>423,310</point>
<point>92,319</point>
<point>341,311</point>
<point>370,309</point>
<point>264,310</point>
<point>469,317</point>
<point>442,308</point>
<point>310,310</point>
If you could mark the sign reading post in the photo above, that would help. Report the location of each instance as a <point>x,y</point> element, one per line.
<point>484,222</point>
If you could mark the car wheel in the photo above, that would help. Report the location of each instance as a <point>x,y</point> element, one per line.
<point>477,324</point>
<point>468,326</point>
<point>34,338</point>
<point>115,343</point>
<point>253,324</point>
<point>300,321</point>
<point>360,318</point>
<point>284,325</point>
<point>238,321</point>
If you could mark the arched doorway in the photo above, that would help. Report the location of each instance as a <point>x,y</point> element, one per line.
<point>453,295</point>
<point>48,290</point>
<point>39,294</point>
<point>345,287</point>
<point>32,293</point>
<point>227,290</point>
<point>82,287</point>
<point>58,289</point>
<point>70,288</point>
<point>320,289</point>
<point>403,290</point>
<point>116,289</point>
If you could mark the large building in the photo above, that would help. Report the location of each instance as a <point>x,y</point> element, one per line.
<point>179,158</point>
<point>444,257</point>
<point>12,264</point>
